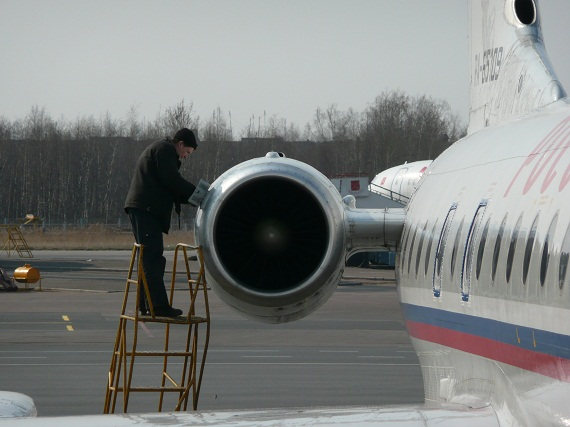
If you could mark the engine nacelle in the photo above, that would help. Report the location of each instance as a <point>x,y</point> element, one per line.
<point>274,234</point>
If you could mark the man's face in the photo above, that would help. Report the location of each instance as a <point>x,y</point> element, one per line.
<point>182,150</point>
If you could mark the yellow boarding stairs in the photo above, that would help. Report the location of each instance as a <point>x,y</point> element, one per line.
<point>181,380</point>
<point>15,241</point>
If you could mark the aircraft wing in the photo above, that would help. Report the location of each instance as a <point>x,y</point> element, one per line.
<point>361,416</point>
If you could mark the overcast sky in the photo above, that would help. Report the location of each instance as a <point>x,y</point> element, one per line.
<point>283,57</point>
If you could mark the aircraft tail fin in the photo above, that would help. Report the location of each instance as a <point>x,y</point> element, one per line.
<point>511,74</point>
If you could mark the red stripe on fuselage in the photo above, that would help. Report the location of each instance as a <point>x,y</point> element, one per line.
<point>551,366</point>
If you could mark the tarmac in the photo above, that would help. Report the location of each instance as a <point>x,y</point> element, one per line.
<point>56,344</point>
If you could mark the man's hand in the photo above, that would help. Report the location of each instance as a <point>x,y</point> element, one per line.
<point>199,193</point>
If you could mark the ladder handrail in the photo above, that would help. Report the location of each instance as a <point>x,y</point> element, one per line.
<point>392,192</point>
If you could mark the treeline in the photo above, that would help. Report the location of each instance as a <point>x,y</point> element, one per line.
<point>78,173</point>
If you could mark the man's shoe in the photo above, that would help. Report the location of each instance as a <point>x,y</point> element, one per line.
<point>167,311</point>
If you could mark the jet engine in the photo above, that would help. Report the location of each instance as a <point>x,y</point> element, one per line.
<point>275,234</point>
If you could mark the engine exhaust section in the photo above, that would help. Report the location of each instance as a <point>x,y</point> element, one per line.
<point>275,234</point>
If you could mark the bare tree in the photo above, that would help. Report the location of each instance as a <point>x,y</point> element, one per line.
<point>217,128</point>
<point>133,126</point>
<point>398,128</point>
<point>5,129</point>
<point>85,128</point>
<point>111,128</point>
<point>177,117</point>
<point>334,125</point>
<point>39,126</point>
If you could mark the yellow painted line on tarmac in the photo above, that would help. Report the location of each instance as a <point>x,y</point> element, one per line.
<point>69,326</point>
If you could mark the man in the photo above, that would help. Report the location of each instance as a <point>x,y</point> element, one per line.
<point>155,187</point>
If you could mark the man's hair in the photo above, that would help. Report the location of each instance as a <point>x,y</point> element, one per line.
<point>187,136</point>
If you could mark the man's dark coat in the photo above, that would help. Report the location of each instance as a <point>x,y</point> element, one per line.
<point>157,183</point>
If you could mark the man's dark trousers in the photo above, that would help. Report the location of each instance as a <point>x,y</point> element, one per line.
<point>148,232</point>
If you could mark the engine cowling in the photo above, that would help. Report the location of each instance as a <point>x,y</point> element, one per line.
<point>274,234</point>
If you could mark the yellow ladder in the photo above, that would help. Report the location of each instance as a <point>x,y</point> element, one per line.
<point>16,242</point>
<point>125,351</point>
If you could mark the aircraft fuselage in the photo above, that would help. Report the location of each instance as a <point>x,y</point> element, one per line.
<point>482,269</point>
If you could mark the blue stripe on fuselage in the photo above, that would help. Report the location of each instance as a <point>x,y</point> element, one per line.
<point>537,340</point>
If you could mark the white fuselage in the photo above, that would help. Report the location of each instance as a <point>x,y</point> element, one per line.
<point>398,183</point>
<point>482,270</point>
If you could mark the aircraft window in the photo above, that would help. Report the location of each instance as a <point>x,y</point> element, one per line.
<point>405,245</point>
<point>481,250</point>
<point>408,231</point>
<point>512,247</point>
<point>528,249</point>
<point>436,281</point>
<point>456,247</point>
<point>545,257</point>
<point>467,263</point>
<point>564,255</point>
<point>420,246</point>
<point>412,249</point>
<point>428,249</point>
<point>497,249</point>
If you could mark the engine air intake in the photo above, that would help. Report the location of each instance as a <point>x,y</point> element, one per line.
<point>271,234</point>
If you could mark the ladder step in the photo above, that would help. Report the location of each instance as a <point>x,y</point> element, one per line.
<point>177,320</point>
<point>150,389</point>
<point>155,353</point>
